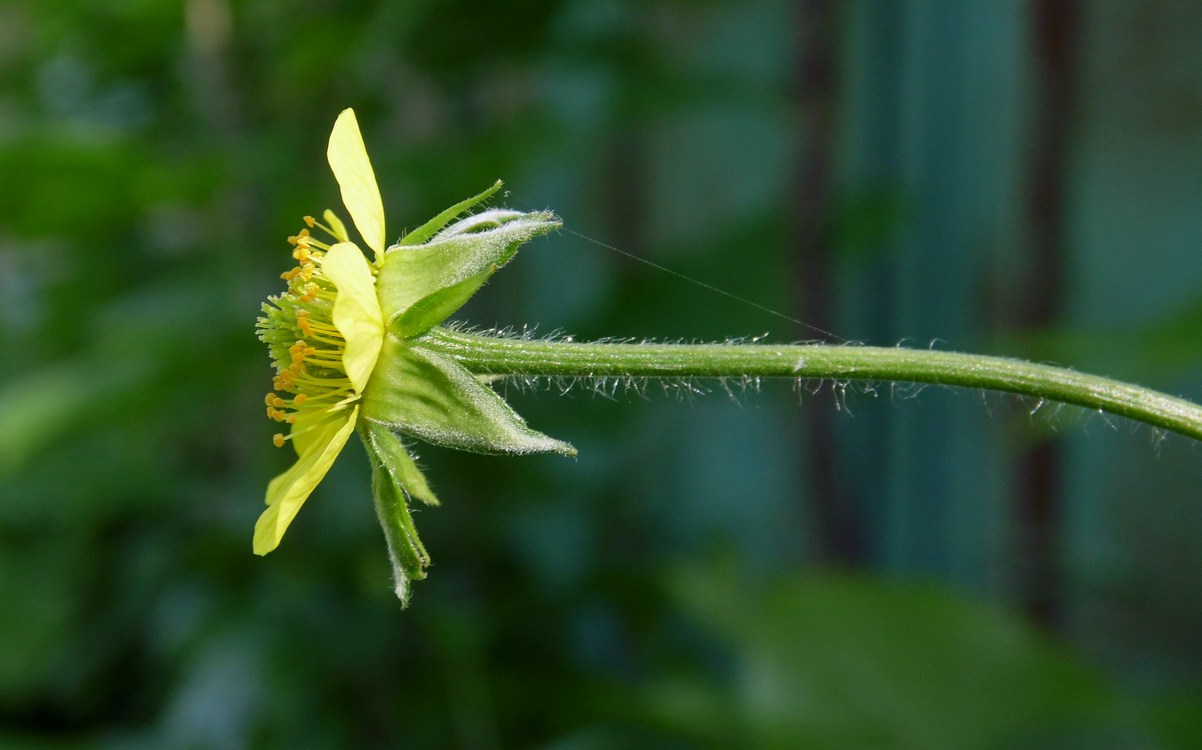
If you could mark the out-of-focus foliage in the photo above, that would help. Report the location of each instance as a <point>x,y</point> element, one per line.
<point>662,591</point>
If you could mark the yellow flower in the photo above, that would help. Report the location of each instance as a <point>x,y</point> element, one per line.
<point>324,334</point>
<point>350,344</point>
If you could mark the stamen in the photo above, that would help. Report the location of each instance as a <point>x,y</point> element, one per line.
<point>302,320</point>
<point>327,229</point>
<point>306,347</point>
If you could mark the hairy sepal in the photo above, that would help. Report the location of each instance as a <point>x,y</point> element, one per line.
<point>431,227</point>
<point>405,550</point>
<point>430,396</point>
<point>419,286</point>
<point>392,453</point>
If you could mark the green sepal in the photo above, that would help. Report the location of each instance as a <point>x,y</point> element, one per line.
<point>431,227</point>
<point>419,286</point>
<point>405,550</point>
<point>392,453</point>
<point>430,396</point>
<point>436,307</point>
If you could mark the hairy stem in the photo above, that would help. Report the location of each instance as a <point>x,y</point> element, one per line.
<point>486,354</point>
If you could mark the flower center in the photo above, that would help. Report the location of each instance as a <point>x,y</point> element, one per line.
<point>305,346</point>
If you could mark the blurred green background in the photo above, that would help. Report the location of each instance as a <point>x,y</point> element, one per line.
<point>803,566</point>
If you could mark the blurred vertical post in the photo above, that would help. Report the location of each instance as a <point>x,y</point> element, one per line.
<point>837,537</point>
<point>1039,471</point>
<point>208,29</point>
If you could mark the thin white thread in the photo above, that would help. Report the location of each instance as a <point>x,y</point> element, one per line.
<point>707,287</point>
<point>702,284</point>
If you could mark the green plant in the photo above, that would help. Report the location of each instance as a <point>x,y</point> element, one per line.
<point>362,346</point>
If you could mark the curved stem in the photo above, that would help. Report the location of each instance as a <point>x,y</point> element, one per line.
<point>505,356</point>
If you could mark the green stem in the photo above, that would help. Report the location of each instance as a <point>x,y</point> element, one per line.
<point>505,356</point>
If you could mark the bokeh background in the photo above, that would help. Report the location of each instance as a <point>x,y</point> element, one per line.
<point>800,565</point>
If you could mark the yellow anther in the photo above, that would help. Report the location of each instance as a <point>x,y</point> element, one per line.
<point>309,375</point>
<point>299,351</point>
<point>278,439</point>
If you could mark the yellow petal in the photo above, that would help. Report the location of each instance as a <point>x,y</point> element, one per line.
<point>287,492</point>
<point>356,311</point>
<point>348,159</point>
<point>336,226</point>
<point>306,430</point>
